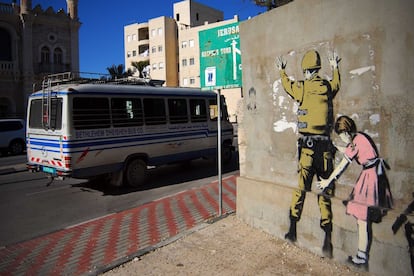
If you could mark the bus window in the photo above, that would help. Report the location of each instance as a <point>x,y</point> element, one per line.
<point>178,111</point>
<point>126,112</point>
<point>35,119</point>
<point>198,110</point>
<point>89,113</point>
<point>213,110</point>
<point>154,112</point>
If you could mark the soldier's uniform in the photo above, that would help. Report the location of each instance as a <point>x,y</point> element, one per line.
<point>316,151</point>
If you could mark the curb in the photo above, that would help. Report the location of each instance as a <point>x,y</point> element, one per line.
<point>13,169</point>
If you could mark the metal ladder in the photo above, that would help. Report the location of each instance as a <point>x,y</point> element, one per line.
<point>47,84</point>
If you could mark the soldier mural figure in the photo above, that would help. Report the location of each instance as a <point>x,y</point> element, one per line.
<point>316,151</point>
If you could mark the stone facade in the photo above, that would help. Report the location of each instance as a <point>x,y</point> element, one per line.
<point>38,42</point>
<point>374,40</point>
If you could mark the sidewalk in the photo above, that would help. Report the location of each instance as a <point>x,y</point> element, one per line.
<point>101,244</point>
<point>231,247</point>
<point>176,235</point>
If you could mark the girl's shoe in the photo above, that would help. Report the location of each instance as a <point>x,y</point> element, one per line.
<point>360,260</point>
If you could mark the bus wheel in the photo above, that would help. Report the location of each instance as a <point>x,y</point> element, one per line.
<point>16,147</point>
<point>135,173</point>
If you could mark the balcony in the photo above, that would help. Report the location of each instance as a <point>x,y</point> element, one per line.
<point>6,8</point>
<point>49,68</point>
<point>8,68</point>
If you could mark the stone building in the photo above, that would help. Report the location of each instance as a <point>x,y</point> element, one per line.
<point>34,42</point>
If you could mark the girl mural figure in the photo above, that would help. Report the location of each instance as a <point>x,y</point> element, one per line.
<point>371,195</point>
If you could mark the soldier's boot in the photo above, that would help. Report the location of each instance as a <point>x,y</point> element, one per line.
<point>327,248</point>
<point>291,235</point>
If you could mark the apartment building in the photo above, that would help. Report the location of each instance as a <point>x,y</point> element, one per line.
<point>171,46</point>
<point>154,42</point>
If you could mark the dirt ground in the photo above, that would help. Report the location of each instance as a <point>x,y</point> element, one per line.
<point>231,247</point>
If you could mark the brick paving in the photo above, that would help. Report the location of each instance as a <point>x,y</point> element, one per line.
<point>101,244</point>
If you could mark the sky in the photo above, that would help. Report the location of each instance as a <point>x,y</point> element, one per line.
<point>101,35</point>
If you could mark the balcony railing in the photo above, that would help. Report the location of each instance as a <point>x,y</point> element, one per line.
<point>6,8</point>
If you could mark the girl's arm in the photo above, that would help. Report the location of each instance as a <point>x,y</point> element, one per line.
<point>323,183</point>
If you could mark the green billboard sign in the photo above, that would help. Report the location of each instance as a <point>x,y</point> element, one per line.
<point>220,58</point>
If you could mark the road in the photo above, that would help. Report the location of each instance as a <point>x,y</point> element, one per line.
<point>28,208</point>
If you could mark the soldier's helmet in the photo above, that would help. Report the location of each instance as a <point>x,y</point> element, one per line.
<point>311,60</point>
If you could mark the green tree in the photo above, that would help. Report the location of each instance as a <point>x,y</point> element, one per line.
<point>118,71</point>
<point>140,65</point>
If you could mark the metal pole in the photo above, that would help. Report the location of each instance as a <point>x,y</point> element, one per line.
<point>219,151</point>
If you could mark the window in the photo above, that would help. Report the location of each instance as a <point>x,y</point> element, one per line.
<point>184,62</point>
<point>159,48</point>
<point>160,31</point>
<point>10,126</point>
<point>192,81</point>
<point>134,37</point>
<point>126,112</point>
<point>154,111</point>
<point>177,17</point>
<point>58,56</point>
<point>36,114</point>
<point>153,32</point>
<point>153,49</point>
<point>191,61</point>
<point>178,111</point>
<point>6,45</point>
<point>89,113</point>
<point>198,110</point>
<point>129,54</point>
<point>214,110</point>
<point>197,16</point>
<point>134,53</point>
<point>45,55</point>
<point>185,82</point>
<point>154,66</point>
<point>184,44</point>
<point>161,65</point>
<point>191,42</point>
<point>128,38</point>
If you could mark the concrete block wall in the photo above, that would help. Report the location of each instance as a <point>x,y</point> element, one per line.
<point>375,40</point>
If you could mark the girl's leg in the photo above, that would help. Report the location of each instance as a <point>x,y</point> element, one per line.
<point>362,235</point>
<point>361,258</point>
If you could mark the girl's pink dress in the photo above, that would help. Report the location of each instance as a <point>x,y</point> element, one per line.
<point>371,188</point>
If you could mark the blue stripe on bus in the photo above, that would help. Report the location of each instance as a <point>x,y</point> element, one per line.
<point>96,142</point>
<point>55,147</point>
<point>114,140</point>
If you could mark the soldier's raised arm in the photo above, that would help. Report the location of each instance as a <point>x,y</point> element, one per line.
<point>334,60</point>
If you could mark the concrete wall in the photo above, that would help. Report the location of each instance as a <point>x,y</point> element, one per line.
<point>375,40</point>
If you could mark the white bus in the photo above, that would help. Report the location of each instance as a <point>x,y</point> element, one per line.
<point>88,130</point>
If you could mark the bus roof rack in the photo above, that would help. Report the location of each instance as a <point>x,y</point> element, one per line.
<point>70,77</point>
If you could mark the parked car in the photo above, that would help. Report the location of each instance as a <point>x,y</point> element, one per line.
<point>12,136</point>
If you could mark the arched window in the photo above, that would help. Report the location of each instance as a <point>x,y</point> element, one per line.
<point>5,45</point>
<point>58,56</point>
<point>45,55</point>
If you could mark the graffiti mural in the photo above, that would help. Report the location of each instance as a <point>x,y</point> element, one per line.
<point>251,100</point>
<point>314,96</point>
<point>409,229</point>
<point>371,196</point>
